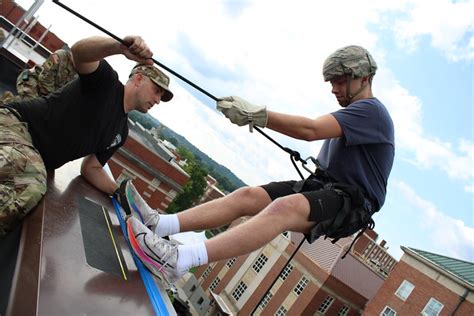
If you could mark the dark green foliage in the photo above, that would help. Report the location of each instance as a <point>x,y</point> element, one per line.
<point>146,120</point>
<point>194,188</point>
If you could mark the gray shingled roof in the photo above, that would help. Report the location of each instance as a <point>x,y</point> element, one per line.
<point>462,269</point>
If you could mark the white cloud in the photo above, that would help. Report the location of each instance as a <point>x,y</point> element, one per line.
<point>469,188</point>
<point>449,235</point>
<point>413,143</point>
<point>449,25</point>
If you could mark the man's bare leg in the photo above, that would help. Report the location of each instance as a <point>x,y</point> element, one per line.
<point>246,201</point>
<point>284,214</point>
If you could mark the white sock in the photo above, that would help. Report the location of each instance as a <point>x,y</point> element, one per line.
<point>167,225</point>
<point>191,256</point>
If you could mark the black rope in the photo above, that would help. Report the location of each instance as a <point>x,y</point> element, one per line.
<point>281,271</point>
<point>294,155</point>
<point>118,39</point>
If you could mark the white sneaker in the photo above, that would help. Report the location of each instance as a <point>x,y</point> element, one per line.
<point>159,255</point>
<point>133,203</point>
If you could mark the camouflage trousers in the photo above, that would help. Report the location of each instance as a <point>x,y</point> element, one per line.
<point>22,172</point>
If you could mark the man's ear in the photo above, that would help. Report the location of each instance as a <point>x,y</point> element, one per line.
<point>366,80</point>
<point>137,79</point>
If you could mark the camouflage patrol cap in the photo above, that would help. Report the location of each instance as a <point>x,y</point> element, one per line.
<point>157,76</point>
<point>351,60</point>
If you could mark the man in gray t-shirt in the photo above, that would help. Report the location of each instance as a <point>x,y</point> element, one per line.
<point>337,201</point>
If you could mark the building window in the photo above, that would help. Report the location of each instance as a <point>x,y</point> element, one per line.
<point>286,272</point>
<point>326,304</point>
<point>214,284</point>
<point>172,194</point>
<point>301,285</point>
<point>343,311</point>
<point>154,184</point>
<point>281,311</point>
<point>230,262</point>
<point>258,265</point>
<point>433,308</point>
<point>404,290</point>
<point>206,272</point>
<point>387,311</point>
<point>124,175</point>
<point>265,300</point>
<point>239,290</point>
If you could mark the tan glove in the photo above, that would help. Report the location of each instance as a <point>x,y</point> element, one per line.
<point>241,112</point>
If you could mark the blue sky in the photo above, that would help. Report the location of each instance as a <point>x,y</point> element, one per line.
<point>271,53</point>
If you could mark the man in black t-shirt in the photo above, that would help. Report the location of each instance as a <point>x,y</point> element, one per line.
<point>337,201</point>
<point>85,118</point>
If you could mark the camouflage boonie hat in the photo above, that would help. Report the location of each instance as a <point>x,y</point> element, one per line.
<point>157,76</point>
<point>351,60</point>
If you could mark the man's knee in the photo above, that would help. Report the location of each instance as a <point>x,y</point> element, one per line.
<point>282,206</point>
<point>22,183</point>
<point>16,202</point>
<point>250,199</point>
<point>289,207</point>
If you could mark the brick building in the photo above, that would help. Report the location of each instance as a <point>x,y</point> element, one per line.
<point>374,254</point>
<point>316,280</point>
<point>212,192</point>
<point>151,166</point>
<point>424,283</point>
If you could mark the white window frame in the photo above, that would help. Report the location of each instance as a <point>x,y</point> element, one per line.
<point>286,272</point>
<point>214,284</point>
<point>239,291</point>
<point>124,175</point>
<point>404,290</point>
<point>206,272</point>
<point>281,311</point>
<point>230,262</point>
<point>265,300</point>
<point>259,263</point>
<point>323,308</point>
<point>343,311</point>
<point>172,194</point>
<point>301,285</point>
<point>428,306</point>
<point>388,309</point>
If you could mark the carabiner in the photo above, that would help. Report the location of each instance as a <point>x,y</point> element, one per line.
<point>313,160</point>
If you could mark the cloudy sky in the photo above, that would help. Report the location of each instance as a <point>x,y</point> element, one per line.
<point>271,53</point>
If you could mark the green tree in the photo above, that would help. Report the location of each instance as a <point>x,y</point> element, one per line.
<point>194,188</point>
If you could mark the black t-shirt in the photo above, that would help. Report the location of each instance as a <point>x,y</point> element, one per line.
<point>84,117</point>
<point>364,155</point>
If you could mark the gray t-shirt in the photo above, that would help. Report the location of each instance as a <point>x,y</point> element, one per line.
<point>364,155</point>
